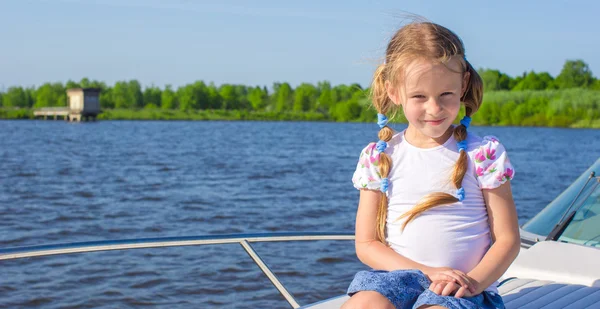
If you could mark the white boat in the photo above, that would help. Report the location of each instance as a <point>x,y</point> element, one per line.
<point>558,265</point>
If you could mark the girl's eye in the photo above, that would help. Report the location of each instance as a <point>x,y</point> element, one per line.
<point>418,96</point>
<point>446,93</point>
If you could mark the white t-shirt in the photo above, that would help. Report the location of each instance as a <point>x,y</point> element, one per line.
<point>456,235</point>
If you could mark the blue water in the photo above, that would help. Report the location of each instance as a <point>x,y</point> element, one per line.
<point>66,182</point>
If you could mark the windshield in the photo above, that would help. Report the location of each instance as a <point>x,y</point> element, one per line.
<point>546,220</point>
<point>585,227</point>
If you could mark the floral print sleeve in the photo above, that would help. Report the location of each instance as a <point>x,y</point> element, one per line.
<point>492,166</point>
<point>367,174</point>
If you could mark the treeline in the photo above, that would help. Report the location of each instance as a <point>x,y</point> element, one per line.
<point>340,103</point>
<point>574,74</point>
<point>529,99</point>
<point>572,99</point>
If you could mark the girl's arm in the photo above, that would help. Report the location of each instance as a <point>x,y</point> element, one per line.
<point>504,227</point>
<point>369,250</point>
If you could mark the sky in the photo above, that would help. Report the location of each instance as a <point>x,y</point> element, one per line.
<point>259,42</point>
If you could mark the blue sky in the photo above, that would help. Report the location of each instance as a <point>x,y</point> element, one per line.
<point>263,41</point>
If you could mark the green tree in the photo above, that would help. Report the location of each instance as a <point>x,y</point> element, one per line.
<point>356,87</point>
<point>71,84</point>
<point>305,97</point>
<point>533,81</point>
<point>215,101</point>
<point>152,95</point>
<point>346,111</point>
<point>283,97</point>
<point>229,96</point>
<point>325,100</point>
<point>186,97</point>
<point>258,98</point>
<point>50,95</point>
<point>341,93</point>
<point>575,73</point>
<point>494,80</point>
<point>135,92</point>
<point>15,97</point>
<point>121,96</point>
<point>84,82</point>
<point>168,98</point>
<point>201,95</point>
<point>193,96</point>
<point>87,83</point>
<point>547,80</point>
<point>515,81</point>
<point>106,98</point>
<point>127,94</point>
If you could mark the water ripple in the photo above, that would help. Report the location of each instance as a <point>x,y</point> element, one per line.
<point>120,180</point>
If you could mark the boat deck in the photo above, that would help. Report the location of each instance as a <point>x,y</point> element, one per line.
<point>525,294</point>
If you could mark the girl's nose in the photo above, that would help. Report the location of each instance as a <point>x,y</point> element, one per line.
<point>433,106</point>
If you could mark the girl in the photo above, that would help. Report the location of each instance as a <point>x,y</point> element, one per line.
<point>436,218</point>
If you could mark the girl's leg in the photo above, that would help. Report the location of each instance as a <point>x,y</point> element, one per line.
<point>368,299</point>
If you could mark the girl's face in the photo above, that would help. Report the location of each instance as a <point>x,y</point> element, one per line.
<point>430,99</point>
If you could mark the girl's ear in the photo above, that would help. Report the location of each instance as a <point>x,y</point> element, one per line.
<point>465,83</point>
<point>392,92</point>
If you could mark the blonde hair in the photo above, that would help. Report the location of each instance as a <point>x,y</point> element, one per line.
<point>436,43</point>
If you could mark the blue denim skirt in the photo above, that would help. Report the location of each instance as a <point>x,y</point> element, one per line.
<point>410,289</point>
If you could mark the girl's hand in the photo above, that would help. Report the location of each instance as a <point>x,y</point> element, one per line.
<point>438,274</point>
<point>446,288</point>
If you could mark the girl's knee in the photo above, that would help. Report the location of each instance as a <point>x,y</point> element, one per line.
<point>368,299</point>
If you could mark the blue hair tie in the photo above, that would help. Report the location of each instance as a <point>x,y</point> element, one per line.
<point>385,183</point>
<point>460,194</point>
<point>466,121</point>
<point>381,146</point>
<point>382,120</point>
<point>462,145</point>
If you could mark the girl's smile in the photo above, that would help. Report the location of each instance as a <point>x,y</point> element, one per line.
<point>435,122</point>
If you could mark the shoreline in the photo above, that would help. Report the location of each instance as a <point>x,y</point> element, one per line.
<point>236,115</point>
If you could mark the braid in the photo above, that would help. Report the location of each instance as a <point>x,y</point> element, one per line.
<point>460,168</point>
<point>385,164</point>
<point>383,104</point>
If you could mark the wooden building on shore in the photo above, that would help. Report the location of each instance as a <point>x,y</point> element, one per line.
<point>83,105</point>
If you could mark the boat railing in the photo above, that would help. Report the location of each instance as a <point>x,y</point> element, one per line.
<point>244,240</point>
